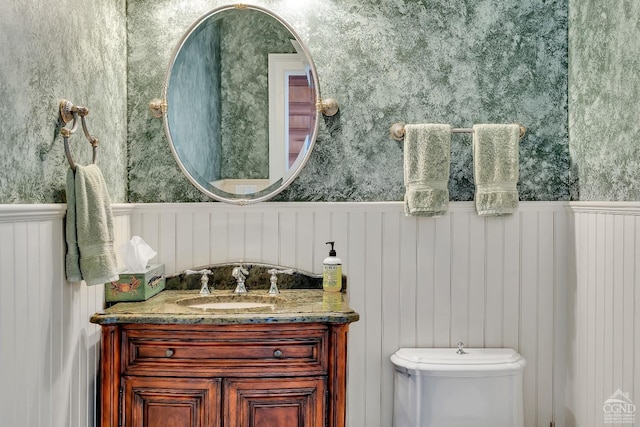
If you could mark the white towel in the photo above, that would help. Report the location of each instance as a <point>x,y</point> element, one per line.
<point>427,159</point>
<point>89,233</point>
<point>496,168</point>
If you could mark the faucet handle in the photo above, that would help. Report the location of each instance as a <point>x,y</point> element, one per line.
<point>204,280</point>
<point>461,348</point>
<point>273,290</point>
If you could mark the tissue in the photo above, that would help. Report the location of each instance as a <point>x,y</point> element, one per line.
<point>136,254</point>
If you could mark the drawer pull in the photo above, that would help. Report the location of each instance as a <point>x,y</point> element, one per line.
<point>277,354</point>
<point>169,352</point>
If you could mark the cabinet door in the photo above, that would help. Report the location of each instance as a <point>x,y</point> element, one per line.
<point>274,402</point>
<point>171,402</point>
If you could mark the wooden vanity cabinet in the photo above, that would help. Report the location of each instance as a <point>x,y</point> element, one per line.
<point>170,402</point>
<point>257,375</point>
<point>274,402</point>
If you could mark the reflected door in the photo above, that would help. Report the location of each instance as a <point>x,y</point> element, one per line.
<point>301,118</point>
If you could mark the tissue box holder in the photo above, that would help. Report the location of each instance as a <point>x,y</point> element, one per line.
<point>136,286</point>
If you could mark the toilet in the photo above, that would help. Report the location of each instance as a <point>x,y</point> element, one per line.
<point>464,387</point>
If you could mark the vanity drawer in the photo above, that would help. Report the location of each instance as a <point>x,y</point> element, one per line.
<point>231,350</point>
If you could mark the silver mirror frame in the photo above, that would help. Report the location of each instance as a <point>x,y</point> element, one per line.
<point>165,107</point>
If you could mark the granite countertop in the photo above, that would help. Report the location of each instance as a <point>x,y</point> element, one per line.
<point>290,306</point>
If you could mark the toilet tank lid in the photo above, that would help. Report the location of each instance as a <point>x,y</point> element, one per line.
<point>447,359</point>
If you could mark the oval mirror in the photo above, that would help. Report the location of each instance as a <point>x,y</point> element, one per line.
<point>241,100</point>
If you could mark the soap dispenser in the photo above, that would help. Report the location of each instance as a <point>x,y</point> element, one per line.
<point>332,272</point>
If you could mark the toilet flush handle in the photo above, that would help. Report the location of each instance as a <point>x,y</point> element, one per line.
<point>461,348</point>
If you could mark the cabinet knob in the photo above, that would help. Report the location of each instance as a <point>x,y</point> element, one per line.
<point>169,352</point>
<point>277,354</point>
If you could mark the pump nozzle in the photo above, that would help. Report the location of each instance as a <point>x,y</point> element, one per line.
<point>332,252</point>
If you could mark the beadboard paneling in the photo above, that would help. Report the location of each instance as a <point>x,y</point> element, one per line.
<point>48,348</point>
<point>604,317</point>
<point>415,282</point>
<point>489,282</point>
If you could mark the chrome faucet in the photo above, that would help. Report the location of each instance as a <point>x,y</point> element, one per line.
<point>240,273</point>
<point>204,280</point>
<point>273,290</point>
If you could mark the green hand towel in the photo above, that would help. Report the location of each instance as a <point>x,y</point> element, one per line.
<point>496,168</point>
<point>72,259</point>
<point>427,158</point>
<point>90,221</point>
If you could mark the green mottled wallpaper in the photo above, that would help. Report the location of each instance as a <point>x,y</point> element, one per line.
<point>53,50</point>
<point>442,61</point>
<point>604,121</point>
<point>245,120</point>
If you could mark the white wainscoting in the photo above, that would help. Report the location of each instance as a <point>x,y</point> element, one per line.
<point>604,310</point>
<point>48,349</point>
<point>416,282</point>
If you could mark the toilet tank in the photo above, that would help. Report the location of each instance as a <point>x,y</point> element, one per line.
<point>440,387</point>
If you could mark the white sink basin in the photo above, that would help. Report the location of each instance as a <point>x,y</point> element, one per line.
<point>229,305</point>
<point>232,302</point>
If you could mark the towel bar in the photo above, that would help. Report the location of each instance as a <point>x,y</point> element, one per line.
<point>397,131</point>
<point>69,112</point>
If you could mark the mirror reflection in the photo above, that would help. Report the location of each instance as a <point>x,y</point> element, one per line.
<point>241,98</point>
